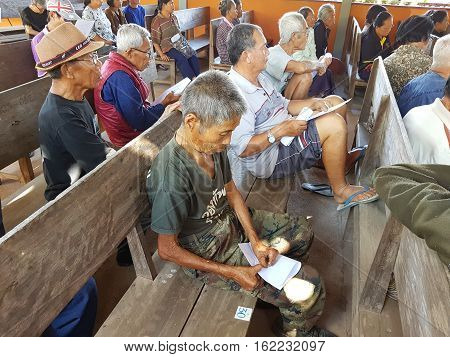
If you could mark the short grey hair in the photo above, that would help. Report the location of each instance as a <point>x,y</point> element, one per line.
<point>290,23</point>
<point>42,3</point>
<point>325,11</point>
<point>239,40</point>
<point>441,52</point>
<point>213,98</point>
<point>131,36</point>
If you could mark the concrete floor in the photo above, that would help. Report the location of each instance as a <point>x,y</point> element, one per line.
<point>330,253</point>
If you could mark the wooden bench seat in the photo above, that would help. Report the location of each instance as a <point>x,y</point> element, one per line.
<point>199,43</point>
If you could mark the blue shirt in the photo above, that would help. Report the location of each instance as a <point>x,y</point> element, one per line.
<point>120,91</point>
<point>135,15</point>
<point>422,90</point>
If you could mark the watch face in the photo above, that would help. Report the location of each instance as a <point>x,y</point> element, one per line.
<point>271,138</point>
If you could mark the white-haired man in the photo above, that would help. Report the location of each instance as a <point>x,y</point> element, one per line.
<point>326,20</point>
<point>426,88</point>
<point>288,76</point>
<point>121,95</point>
<point>255,143</point>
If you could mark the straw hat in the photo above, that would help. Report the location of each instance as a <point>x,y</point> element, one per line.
<point>63,44</point>
<point>64,8</point>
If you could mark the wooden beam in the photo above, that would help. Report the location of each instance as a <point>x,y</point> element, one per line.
<point>380,273</point>
<point>141,254</point>
<point>26,169</point>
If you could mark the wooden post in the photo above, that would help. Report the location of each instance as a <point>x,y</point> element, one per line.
<point>375,289</point>
<point>26,168</point>
<point>141,254</point>
<point>341,28</point>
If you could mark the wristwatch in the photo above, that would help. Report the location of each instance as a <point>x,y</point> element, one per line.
<point>270,137</point>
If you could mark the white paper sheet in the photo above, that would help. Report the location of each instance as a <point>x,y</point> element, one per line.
<point>278,274</point>
<point>177,89</point>
<point>287,140</point>
<point>85,26</point>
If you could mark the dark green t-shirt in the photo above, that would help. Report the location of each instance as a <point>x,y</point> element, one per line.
<point>184,199</point>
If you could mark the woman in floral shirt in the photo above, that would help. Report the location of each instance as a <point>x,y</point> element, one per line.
<point>409,60</point>
<point>101,31</point>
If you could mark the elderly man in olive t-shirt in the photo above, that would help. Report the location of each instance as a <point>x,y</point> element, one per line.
<point>200,216</point>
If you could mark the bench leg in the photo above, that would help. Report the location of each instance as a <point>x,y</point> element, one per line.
<point>26,169</point>
<point>141,254</point>
<point>173,73</point>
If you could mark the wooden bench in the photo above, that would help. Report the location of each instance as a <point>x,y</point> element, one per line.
<point>352,58</point>
<point>382,245</point>
<point>12,34</point>
<point>189,20</point>
<point>47,258</point>
<point>214,60</point>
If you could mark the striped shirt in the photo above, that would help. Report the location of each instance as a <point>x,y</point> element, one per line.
<point>163,30</point>
<point>266,108</point>
<point>223,30</point>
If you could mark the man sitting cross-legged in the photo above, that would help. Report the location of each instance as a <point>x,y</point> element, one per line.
<point>200,216</point>
<point>255,143</point>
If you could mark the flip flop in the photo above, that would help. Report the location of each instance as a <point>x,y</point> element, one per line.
<point>349,203</point>
<point>362,153</point>
<point>321,189</point>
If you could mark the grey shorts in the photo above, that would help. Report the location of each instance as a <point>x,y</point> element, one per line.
<point>304,151</point>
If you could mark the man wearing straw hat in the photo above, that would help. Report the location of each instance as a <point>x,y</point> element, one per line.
<point>70,144</point>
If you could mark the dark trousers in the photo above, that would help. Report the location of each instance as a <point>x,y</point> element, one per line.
<point>322,86</point>
<point>189,67</point>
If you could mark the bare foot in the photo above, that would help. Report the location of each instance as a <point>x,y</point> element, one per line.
<point>349,190</point>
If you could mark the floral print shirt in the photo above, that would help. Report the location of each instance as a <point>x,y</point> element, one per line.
<point>102,26</point>
<point>404,64</point>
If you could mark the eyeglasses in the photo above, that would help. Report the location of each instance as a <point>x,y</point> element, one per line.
<point>93,58</point>
<point>148,53</point>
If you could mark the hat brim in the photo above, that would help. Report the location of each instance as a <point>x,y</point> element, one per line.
<point>69,17</point>
<point>91,47</point>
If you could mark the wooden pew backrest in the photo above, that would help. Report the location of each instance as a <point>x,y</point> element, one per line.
<point>421,280</point>
<point>19,109</point>
<point>47,258</point>
<point>192,18</point>
<point>16,64</point>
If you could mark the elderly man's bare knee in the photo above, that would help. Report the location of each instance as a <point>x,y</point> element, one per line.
<point>335,100</point>
<point>331,124</point>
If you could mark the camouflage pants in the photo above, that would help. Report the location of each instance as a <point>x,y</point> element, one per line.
<point>295,233</point>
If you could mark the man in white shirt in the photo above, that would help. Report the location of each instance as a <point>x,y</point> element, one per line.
<point>255,143</point>
<point>428,128</point>
<point>291,77</point>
